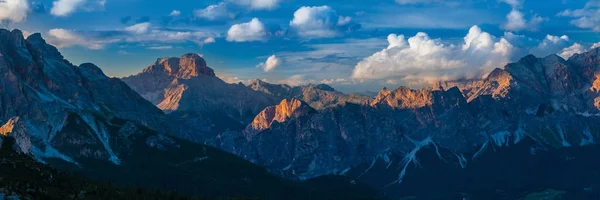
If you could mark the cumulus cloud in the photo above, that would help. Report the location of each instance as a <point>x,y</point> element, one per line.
<point>215,12</point>
<point>587,18</point>
<point>13,10</point>
<point>271,63</point>
<point>175,13</point>
<point>254,30</point>
<point>515,20</point>
<point>421,58</point>
<point>258,4</point>
<point>572,50</point>
<point>320,22</point>
<point>551,45</point>
<point>66,38</point>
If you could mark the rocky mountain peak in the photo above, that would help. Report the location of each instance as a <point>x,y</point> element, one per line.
<point>185,67</point>
<point>382,94</point>
<point>92,71</point>
<point>40,47</point>
<point>286,109</point>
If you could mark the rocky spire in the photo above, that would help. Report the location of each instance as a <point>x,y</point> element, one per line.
<point>185,67</point>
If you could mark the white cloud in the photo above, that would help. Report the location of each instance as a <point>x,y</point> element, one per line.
<point>587,18</point>
<point>161,47</point>
<point>65,7</point>
<point>254,30</point>
<point>408,2</point>
<point>318,22</point>
<point>271,63</point>
<point>14,10</point>
<point>215,12</point>
<point>550,45</point>
<point>420,58</point>
<point>209,40</point>
<point>175,13</point>
<point>515,21</point>
<point>140,28</point>
<point>513,3</point>
<point>66,38</point>
<point>258,4</point>
<point>570,51</point>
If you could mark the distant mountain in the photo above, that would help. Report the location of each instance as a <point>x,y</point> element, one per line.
<point>539,109</point>
<point>199,104</point>
<point>319,96</point>
<point>76,119</point>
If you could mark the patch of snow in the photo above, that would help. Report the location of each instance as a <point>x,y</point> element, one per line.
<point>461,160</point>
<point>562,136</point>
<point>587,138</point>
<point>100,131</point>
<point>370,167</point>
<point>386,158</point>
<point>345,171</point>
<point>555,105</point>
<point>519,135</point>
<point>530,111</point>
<point>480,151</point>
<point>288,167</point>
<point>51,152</point>
<point>411,157</point>
<point>501,138</point>
<point>588,114</point>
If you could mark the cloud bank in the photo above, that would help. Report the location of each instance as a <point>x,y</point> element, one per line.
<point>422,60</point>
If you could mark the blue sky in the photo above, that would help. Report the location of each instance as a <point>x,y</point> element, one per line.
<point>353,45</point>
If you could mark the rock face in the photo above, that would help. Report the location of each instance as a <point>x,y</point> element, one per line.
<point>186,83</point>
<point>41,92</point>
<point>319,96</point>
<point>287,109</point>
<point>550,101</point>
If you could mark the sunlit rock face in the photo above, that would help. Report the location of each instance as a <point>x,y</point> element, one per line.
<point>551,101</point>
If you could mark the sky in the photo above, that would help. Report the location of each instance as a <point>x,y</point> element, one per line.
<point>352,45</point>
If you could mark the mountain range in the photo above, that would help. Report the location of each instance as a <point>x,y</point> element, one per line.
<point>171,125</point>
<point>78,120</point>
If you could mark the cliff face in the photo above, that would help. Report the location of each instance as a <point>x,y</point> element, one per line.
<point>41,94</point>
